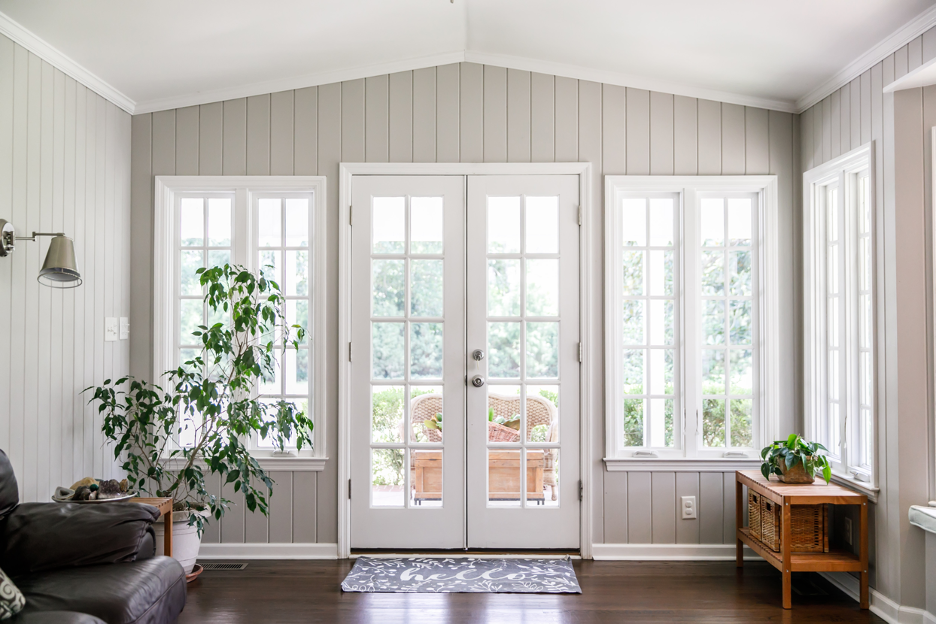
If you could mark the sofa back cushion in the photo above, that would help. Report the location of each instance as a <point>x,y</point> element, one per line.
<point>9,491</point>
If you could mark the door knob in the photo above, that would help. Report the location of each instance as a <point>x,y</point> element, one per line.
<point>477,381</point>
<point>478,355</point>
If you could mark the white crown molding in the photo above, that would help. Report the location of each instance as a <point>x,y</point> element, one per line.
<point>896,40</point>
<point>625,80</point>
<point>56,58</point>
<point>268,551</point>
<point>298,82</point>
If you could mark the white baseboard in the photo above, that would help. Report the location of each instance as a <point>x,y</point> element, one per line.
<point>268,551</point>
<point>669,552</point>
<point>881,605</point>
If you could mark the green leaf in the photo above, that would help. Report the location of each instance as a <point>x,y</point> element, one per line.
<point>765,470</point>
<point>827,473</point>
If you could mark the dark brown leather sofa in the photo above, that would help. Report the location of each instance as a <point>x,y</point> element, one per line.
<point>86,564</point>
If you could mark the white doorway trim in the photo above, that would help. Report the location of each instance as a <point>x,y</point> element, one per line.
<point>346,173</point>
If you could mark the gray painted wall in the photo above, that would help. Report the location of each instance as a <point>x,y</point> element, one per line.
<point>64,166</point>
<point>475,113</point>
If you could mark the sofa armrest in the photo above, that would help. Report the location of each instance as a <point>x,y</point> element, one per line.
<point>44,536</point>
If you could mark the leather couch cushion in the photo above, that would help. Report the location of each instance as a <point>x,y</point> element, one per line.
<point>9,491</point>
<point>141,592</point>
<point>56,617</point>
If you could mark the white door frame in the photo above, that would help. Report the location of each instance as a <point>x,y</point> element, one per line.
<point>347,171</point>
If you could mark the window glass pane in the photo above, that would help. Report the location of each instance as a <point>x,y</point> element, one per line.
<point>633,422</point>
<point>504,287</point>
<point>219,221</point>
<point>713,321</point>
<point>426,287</point>
<point>504,347</point>
<point>271,381</point>
<point>542,224</point>
<point>426,350</point>
<point>426,217</point>
<point>297,313</point>
<point>388,350</point>
<point>713,371</point>
<point>712,222</point>
<point>832,333</point>
<point>742,376</point>
<point>542,296</point>
<point>192,221</point>
<point>633,272</point>
<point>713,273</point>
<point>661,371</point>
<point>389,289</point>
<point>634,221</point>
<point>296,367</point>
<point>739,268</point>
<point>661,272</point>
<point>191,315</point>
<point>386,414</point>
<point>661,322</point>
<point>633,331</point>
<point>662,232</point>
<point>713,423</point>
<point>742,432</point>
<point>387,478</point>
<point>389,224</point>
<point>219,257</point>
<point>542,350</point>
<point>271,265</point>
<point>739,221</point>
<point>187,358</point>
<point>503,224</point>
<point>740,322</point>
<point>297,273</point>
<point>297,222</point>
<point>270,222</point>
<point>633,365</point>
<point>189,263</point>
<point>661,423</point>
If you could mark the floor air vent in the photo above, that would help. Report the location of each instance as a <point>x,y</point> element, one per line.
<point>223,566</point>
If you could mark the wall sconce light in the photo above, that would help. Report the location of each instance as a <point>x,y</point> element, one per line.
<point>60,269</point>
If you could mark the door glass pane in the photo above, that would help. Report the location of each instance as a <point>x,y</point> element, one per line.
<point>270,222</point>
<point>542,414</point>
<point>426,350</point>
<point>190,262</point>
<point>504,347</point>
<point>425,478</point>
<point>426,225</point>
<point>551,474</point>
<point>503,221</point>
<point>219,221</point>
<point>426,424</point>
<point>426,288</point>
<point>542,224</point>
<point>504,480</point>
<point>389,224</point>
<point>192,221</point>
<point>387,479</point>
<point>386,414</point>
<point>297,222</point>
<point>503,287</point>
<point>388,292</point>
<point>388,350</point>
<point>542,295</point>
<point>542,350</point>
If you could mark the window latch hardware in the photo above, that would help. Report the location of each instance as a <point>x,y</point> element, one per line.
<point>645,454</point>
<point>860,476</point>
<point>735,454</point>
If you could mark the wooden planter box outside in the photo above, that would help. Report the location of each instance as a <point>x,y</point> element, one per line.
<point>503,475</point>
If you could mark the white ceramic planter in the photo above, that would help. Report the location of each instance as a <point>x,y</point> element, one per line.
<point>185,540</point>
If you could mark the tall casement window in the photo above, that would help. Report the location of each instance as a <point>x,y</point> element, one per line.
<point>840,312</point>
<point>691,316</point>
<point>272,225</point>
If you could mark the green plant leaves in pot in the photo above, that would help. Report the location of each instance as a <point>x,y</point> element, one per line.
<point>795,460</point>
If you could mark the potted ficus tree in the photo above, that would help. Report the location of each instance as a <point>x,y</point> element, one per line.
<point>795,460</point>
<point>211,401</point>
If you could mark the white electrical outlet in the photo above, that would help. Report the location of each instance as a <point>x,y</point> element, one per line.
<point>110,329</point>
<point>848,531</point>
<point>124,328</point>
<point>689,507</point>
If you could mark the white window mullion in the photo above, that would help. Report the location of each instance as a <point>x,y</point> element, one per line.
<point>690,303</point>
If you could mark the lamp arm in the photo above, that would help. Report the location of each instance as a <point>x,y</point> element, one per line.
<point>35,234</point>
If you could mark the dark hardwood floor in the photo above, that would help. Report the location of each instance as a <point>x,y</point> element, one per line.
<point>309,591</point>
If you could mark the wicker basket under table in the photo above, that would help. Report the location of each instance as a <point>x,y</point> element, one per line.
<point>808,530</point>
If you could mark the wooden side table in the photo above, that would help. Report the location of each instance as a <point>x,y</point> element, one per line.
<point>788,562</point>
<point>164,505</point>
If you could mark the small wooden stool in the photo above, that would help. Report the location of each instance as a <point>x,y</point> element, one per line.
<point>164,505</point>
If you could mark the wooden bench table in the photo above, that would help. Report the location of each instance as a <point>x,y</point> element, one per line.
<point>788,562</point>
<point>164,505</point>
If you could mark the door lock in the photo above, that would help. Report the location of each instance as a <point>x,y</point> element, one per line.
<point>478,355</point>
<point>477,381</point>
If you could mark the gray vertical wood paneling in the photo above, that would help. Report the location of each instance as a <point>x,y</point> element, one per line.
<point>518,116</point>
<point>210,139</point>
<point>186,141</point>
<point>929,45</point>
<point>542,117</point>
<point>835,116</point>
<point>303,507</point>
<point>638,132</point>
<point>728,513</point>
<point>401,117</point>
<point>845,119</point>
<point>20,143</point>
<point>495,114</point>
<point>685,136</point>
<point>663,507</point>
<point>711,508</point>
<point>865,107</point>
<point>661,133</point>
<point>615,508</point>
<point>281,515</point>
<point>141,233</point>
<point>806,131</point>
<point>377,119</point>
<point>282,132</point>
<point>353,131</point>
<point>566,119</point>
<point>826,130</point>
<point>855,125</point>
<point>234,146</point>
<point>305,126</point>
<point>449,116</point>
<point>732,139</point>
<point>258,135</point>
<point>471,108</point>
<point>915,54</point>
<point>212,534</point>
<point>756,144</point>
<point>710,137</point>
<point>424,115</point>
<point>639,508</point>
<point>614,130</point>
<point>256,525</point>
<point>232,526</point>
<point>7,82</point>
<point>687,531</point>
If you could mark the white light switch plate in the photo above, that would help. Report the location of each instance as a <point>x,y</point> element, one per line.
<point>110,329</point>
<point>124,328</point>
<point>689,508</point>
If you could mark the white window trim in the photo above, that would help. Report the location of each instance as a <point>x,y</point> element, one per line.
<point>856,160</point>
<point>164,266</point>
<point>768,318</point>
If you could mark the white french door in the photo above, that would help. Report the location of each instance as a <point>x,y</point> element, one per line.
<point>465,362</point>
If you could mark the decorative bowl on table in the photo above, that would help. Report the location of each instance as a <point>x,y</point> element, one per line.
<point>117,499</point>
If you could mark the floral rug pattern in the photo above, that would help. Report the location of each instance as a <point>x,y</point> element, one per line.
<point>430,575</point>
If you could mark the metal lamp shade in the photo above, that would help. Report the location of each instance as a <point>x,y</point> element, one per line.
<point>60,269</point>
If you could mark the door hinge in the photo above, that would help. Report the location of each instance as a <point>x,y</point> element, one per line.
<point>580,352</point>
<point>349,489</point>
<point>580,215</point>
<point>349,351</point>
<point>581,490</point>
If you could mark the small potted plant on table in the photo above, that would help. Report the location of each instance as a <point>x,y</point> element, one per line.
<point>795,461</point>
<point>211,399</point>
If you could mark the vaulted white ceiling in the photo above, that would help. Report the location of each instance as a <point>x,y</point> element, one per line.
<point>172,52</point>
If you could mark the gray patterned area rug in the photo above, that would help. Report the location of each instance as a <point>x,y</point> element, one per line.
<point>429,575</point>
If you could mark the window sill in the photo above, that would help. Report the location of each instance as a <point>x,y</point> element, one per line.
<point>854,484</point>
<point>270,463</point>
<point>924,517</point>
<point>680,464</point>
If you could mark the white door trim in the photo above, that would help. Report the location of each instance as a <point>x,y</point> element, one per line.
<point>346,173</point>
